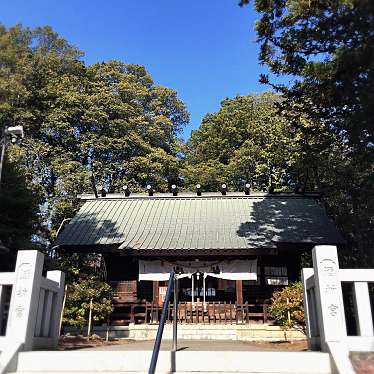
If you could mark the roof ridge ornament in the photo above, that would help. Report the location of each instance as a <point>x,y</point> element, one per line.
<point>102,191</point>
<point>207,194</point>
<point>198,189</point>
<point>174,190</point>
<point>126,190</point>
<point>247,189</point>
<point>150,190</point>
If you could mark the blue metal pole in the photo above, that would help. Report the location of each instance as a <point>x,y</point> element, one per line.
<point>156,348</point>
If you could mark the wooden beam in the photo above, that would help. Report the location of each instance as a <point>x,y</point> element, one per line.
<point>239,292</point>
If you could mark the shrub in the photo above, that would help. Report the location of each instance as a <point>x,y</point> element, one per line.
<point>83,294</point>
<point>287,307</point>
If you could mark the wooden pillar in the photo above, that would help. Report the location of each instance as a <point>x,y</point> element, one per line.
<point>155,303</point>
<point>239,292</point>
<point>155,292</point>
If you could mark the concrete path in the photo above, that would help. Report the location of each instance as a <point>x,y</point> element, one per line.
<point>189,345</point>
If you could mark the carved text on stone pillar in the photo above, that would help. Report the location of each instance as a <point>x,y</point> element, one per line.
<point>19,311</point>
<point>330,288</point>
<point>333,310</point>
<point>328,267</point>
<point>22,292</point>
<point>24,271</point>
<point>23,289</point>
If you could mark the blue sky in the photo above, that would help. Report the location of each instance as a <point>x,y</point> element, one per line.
<point>204,49</point>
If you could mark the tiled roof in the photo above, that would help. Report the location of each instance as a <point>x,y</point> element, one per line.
<point>205,222</point>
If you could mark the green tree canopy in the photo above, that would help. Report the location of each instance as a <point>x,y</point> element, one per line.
<point>108,120</point>
<point>19,201</point>
<point>326,50</point>
<point>327,47</point>
<point>247,140</point>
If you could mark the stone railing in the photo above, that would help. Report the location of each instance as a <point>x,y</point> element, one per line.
<point>31,318</point>
<point>324,307</point>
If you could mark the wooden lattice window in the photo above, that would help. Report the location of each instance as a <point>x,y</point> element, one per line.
<point>276,275</point>
<point>125,291</point>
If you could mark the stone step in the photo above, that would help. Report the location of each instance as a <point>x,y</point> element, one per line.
<point>142,372</point>
<point>186,361</point>
<point>252,331</point>
<point>83,372</point>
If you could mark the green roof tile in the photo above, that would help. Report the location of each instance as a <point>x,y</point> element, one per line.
<point>196,223</point>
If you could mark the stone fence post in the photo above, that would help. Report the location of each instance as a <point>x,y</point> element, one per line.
<point>328,294</point>
<point>35,302</point>
<point>330,307</point>
<point>25,295</point>
<point>58,277</point>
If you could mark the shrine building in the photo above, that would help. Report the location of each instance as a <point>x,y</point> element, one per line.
<point>232,250</point>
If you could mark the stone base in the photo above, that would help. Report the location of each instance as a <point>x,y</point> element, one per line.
<point>81,361</point>
<point>248,332</point>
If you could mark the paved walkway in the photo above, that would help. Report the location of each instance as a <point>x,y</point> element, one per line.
<point>190,345</point>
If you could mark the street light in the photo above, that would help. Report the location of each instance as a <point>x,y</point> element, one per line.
<point>12,133</point>
<point>15,132</point>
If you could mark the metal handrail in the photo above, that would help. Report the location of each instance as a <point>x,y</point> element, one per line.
<point>160,330</point>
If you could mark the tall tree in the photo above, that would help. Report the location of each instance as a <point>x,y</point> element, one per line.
<point>327,49</point>
<point>247,140</point>
<point>109,120</point>
<point>19,212</point>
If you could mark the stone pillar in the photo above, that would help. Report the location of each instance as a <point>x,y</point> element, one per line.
<point>311,320</point>
<point>363,309</point>
<point>329,297</point>
<point>330,307</point>
<point>56,315</point>
<point>25,296</point>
